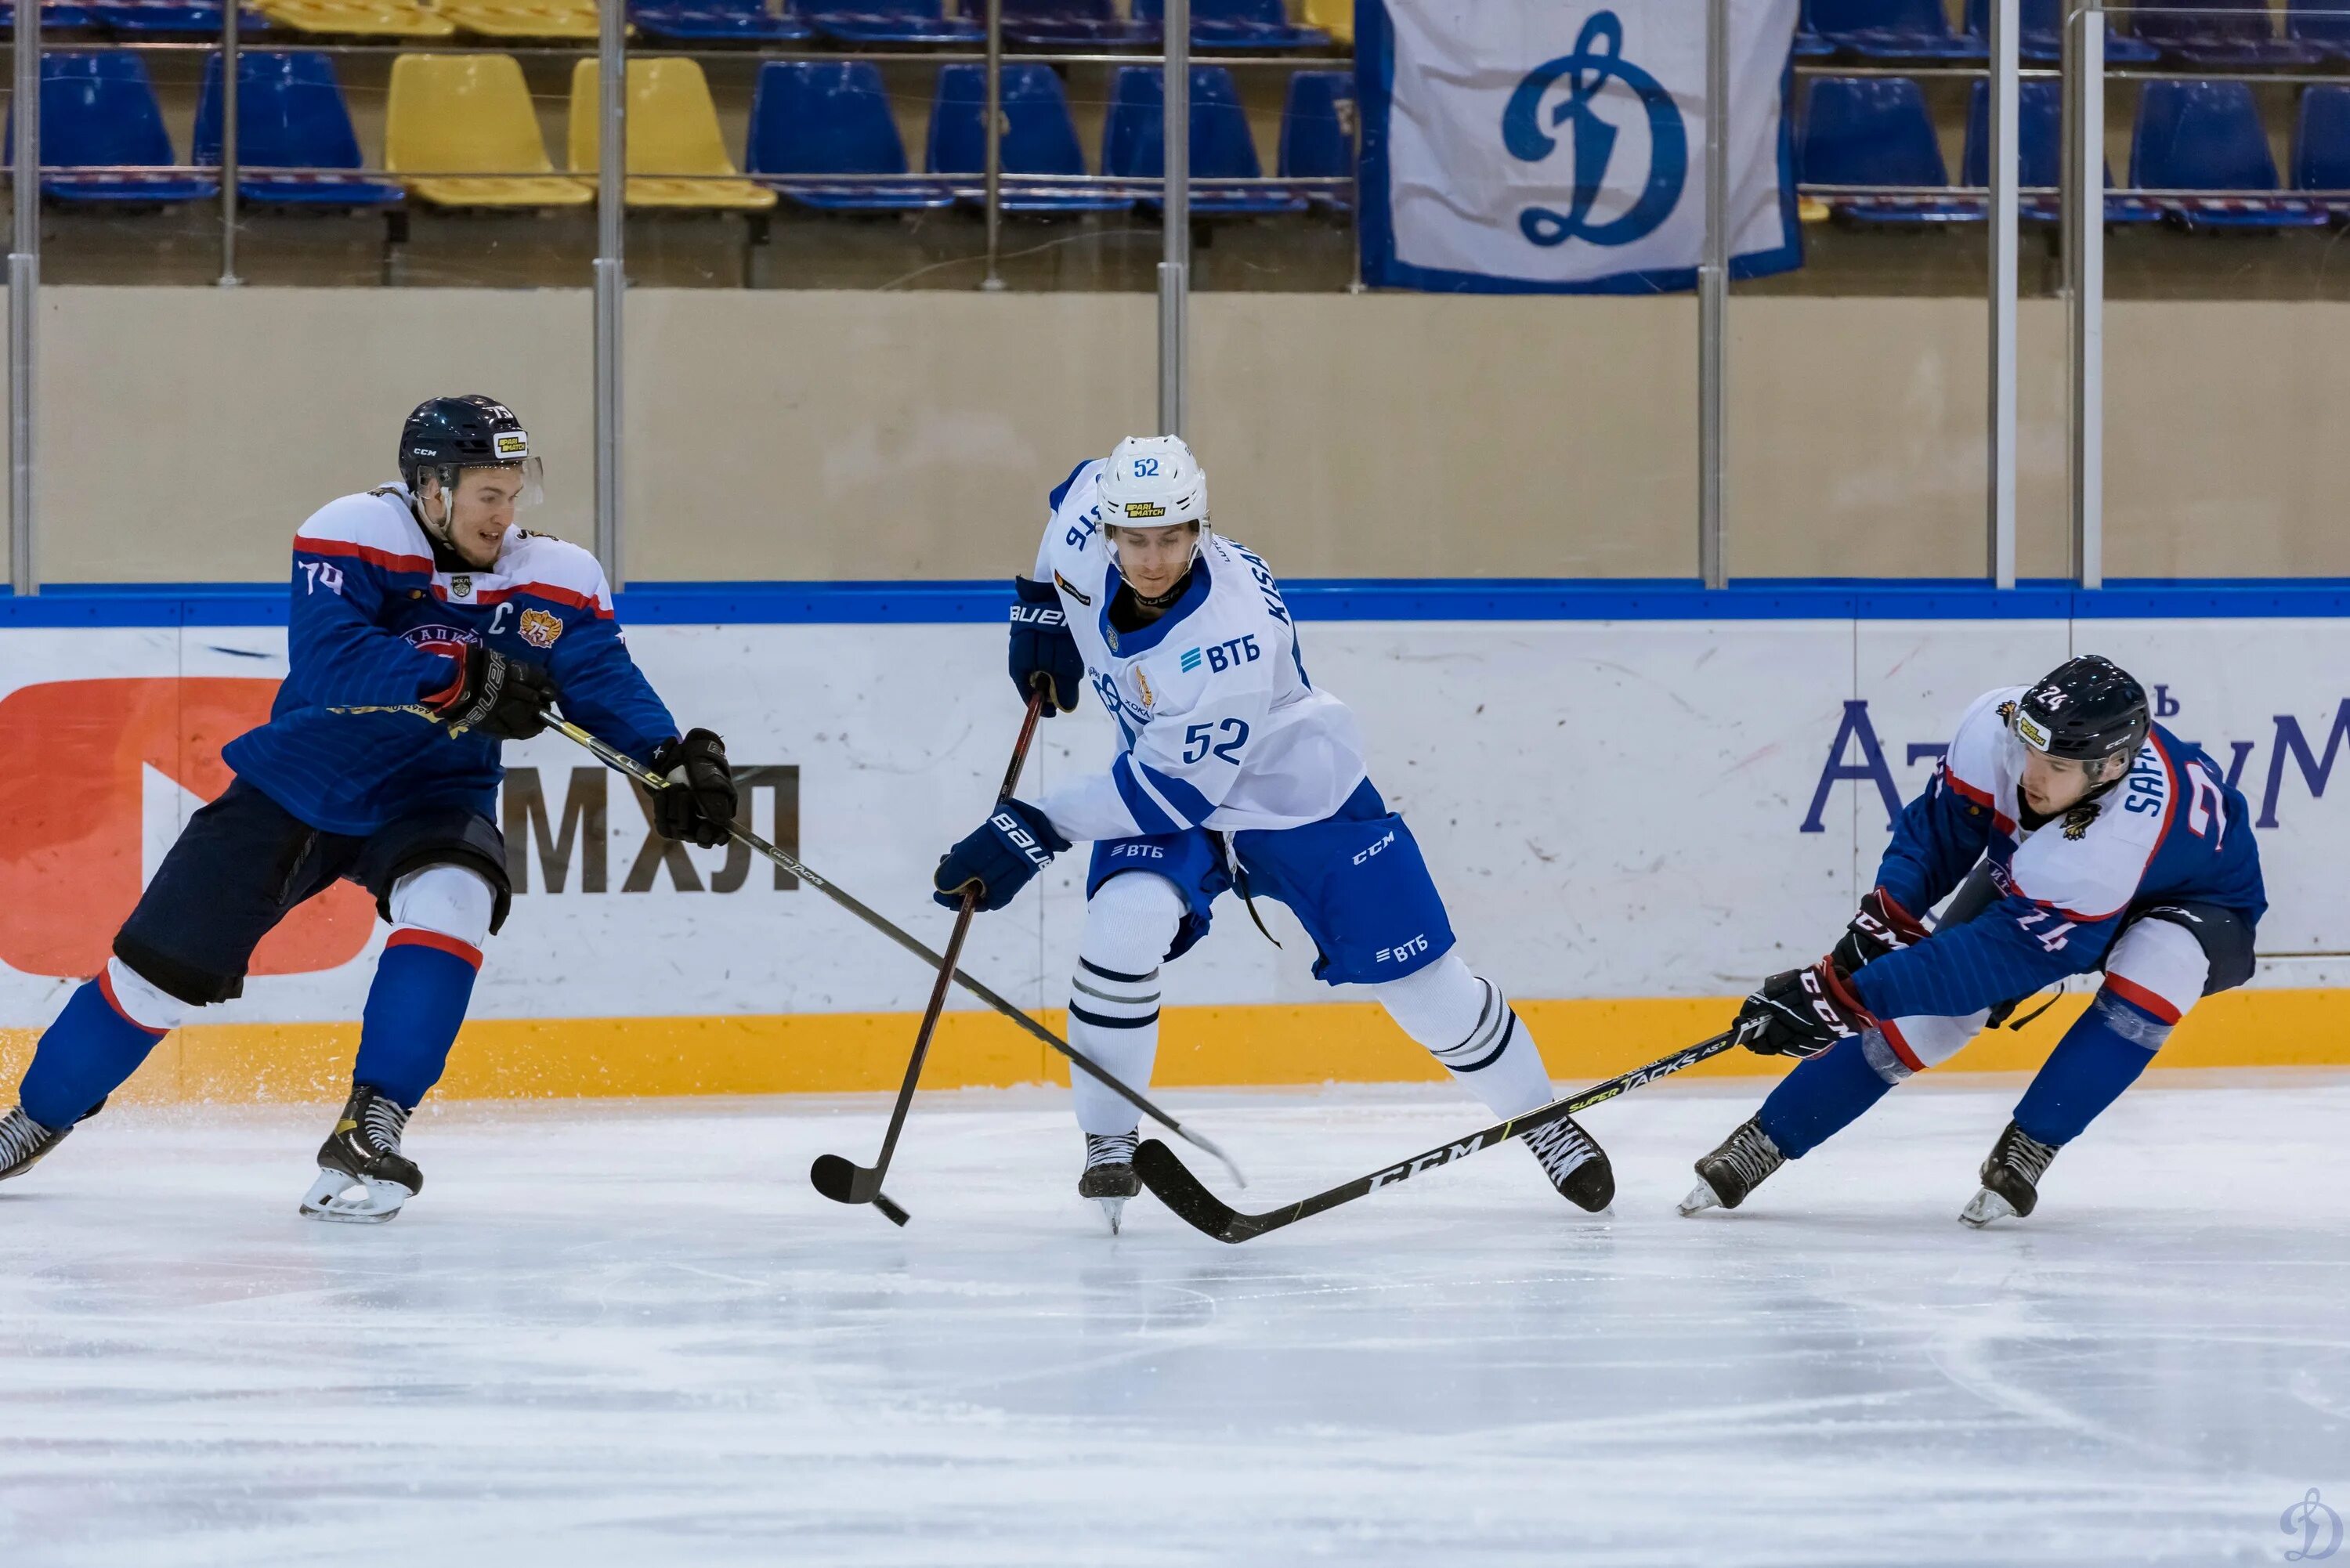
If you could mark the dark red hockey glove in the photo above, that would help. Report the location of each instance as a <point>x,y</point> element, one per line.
<point>1881,927</point>
<point>1801,1012</point>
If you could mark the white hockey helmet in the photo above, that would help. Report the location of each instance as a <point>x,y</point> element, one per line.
<point>1153,482</point>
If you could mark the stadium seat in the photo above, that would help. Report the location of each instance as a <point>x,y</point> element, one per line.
<point>1891,29</point>
<point>1223,147</point>
<point>2218,33</point>
<point>290,114</point>
<point>1317,134</point>
<point>2043,35</point>
<point>1240,24</point>
<point>673,138</point>
<point>2207,136</point>
<point>59,16</point>
<point>358,18</point>
<point>1039,138</point>
<point>893,22</point>
<point>2322,24</point>
<point>1066,24</point>
<point>170,18</point>
<point>2321,144</point>
<point>821,117</point>
<point>2039,138</point>
<point>1874,130</point>
<point>1335,17</point>
<point>717,21</point>
<point>100,110</point>
<point>451,114</point>
<point>525,18</point>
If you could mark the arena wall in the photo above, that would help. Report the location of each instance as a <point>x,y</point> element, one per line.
<point>1632,819</point>
<point>807,435</point>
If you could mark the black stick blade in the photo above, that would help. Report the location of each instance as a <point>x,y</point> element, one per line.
<point>842,1182</point>
<point>889,1209</point>
<point>1177,1187</point>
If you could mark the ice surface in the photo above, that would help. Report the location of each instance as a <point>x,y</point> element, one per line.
<point>632,1334</point>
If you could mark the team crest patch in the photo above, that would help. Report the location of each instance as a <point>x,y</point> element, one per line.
<point>460,587</point>
<point>539,628</point>
<point>2077,820</point>
<point>1149,701</point>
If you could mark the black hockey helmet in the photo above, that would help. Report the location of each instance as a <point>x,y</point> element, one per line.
<point>2085,710</point>
<point>446,436</point>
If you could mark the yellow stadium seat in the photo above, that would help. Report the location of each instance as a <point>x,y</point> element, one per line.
<point>524,19</point>
<point>1335,17</point>
<point>362,18</point>
<point>672,132</point>
<point>451,114</point>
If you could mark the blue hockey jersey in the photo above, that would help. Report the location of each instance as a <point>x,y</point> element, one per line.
<point>2172,830</point>
<point>378,622</point>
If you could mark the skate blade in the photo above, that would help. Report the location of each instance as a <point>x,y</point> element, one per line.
<point>347,1200</point>
<point>1701,1198</point>
<point>1113,1210</point>
<point>1986,1207</point>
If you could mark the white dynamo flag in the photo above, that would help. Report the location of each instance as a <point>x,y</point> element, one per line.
<point>1529,145</point>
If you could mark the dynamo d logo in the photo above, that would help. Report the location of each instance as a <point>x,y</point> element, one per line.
<point>1598,59</point>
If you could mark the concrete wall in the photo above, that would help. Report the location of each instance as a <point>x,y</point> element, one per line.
<point>778,434</point>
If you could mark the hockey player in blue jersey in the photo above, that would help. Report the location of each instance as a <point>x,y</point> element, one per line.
<point>2076,835</point>
<point>1234,770</point>
<point>419,596</point>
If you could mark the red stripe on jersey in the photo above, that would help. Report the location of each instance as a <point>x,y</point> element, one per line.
<point>1892,1033</point>
<point>417,937</point>
<point>106,989</point>
<point>389,560</point>
<point>2130,992</point>
<point>1981,797</point>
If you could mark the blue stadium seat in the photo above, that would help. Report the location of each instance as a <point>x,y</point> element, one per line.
<point>1874,130</point>
<point>2043,35</point>
<point>1891,29</point>
<point>1067,23</point>
<point>717,21</point>
<point>290,114</point>
<point>60,14</point>
<point>2321,144</point>
<point>2040,145</point>
<point>893,22</point>
<point>1317,134</point>
<point>2207,136</point>
<point>1039,138</point>
<point>2322,24</point>
<point>100,110</point>
<point>821,117</point>
<point>2218,33</point>
<point>170,18</point>
<point>1240,24</point>
<point>1223,147</point>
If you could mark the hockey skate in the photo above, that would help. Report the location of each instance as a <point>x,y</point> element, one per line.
<point>363,1178</point>
<point>1725,1177</point>
<point>2011,1178</point>
<point>23,1142</point>
<point>1575,1164</point>
<point>1108,1177</point>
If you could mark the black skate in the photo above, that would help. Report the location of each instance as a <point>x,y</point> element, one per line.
<point>1577,1166</point>
<point>363,1178</point>
<point>23,1142</point>
<point>1108,1177</point>
<point>1726,1175</point>
<point>2011,1178</point>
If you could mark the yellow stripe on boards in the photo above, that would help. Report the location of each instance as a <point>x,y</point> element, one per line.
<point>837,1053</point>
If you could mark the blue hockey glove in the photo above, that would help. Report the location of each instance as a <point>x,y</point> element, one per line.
<point>1008,849</point>
<point>1042,649</point>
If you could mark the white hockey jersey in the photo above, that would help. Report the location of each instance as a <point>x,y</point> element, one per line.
<point>1219,726</point>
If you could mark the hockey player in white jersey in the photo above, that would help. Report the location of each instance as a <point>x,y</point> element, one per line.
<point>1234,770</point>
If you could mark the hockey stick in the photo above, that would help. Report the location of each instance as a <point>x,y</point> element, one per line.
<point>621,762</point>
<point>832,1175</point>
<point>1177,1187</point>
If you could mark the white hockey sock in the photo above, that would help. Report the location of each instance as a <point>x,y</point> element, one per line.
<point>1469,1026</point>
<point>1113,995</point>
